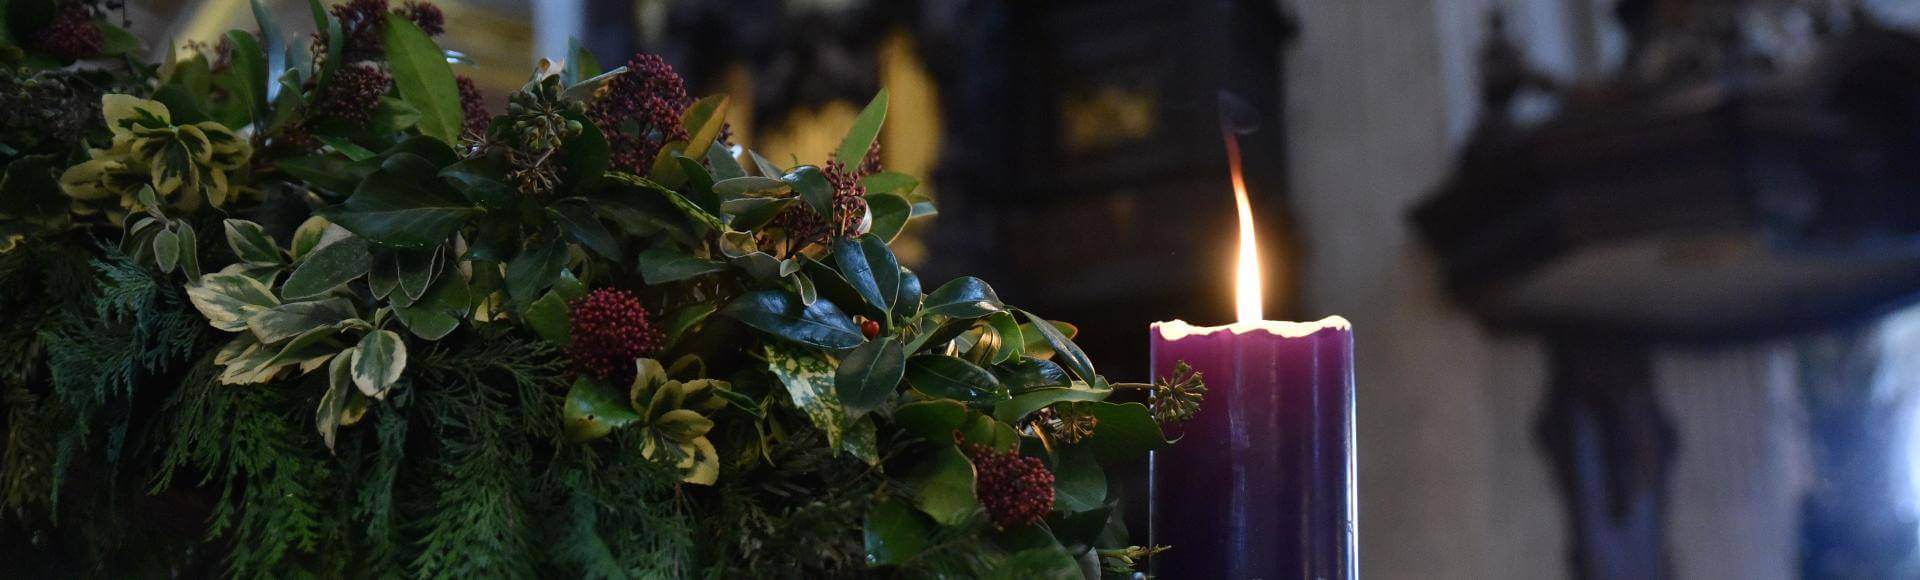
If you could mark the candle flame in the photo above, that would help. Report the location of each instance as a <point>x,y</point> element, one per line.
<point>1246,272</point>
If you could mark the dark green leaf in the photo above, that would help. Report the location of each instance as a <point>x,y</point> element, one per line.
<point>890,182</point>
<point>1125,432</point>
<point>869,375</point>
<point>423,78</point>
<point>548,318</point>
<point>588,155</point>
<point>765,167</point>
<point>934,420</point>
<point>1079,484</point>
<point>319,14</point>
<point>439,312</point>
<point>346,147</point>
<point>403,205</point>
<point>580,223</point>
<point>115,41</point>
<point>851,258</point>
<point>983,430</point>
<point>895,534</point>
<point>682,321</point>
<point>866,128</point>
<point>964,297</point>
<point>752,185</point>
<point>535,269</point>
<point>780,314</point>
<point>581,64</point>
<point>332,173</point>
<point>1070,354</point>
<point>384,273</point>
<point>1030,373</point>
<point>943,486</point>
<point>665,263</point>
<point>482,180</point>
<point>250,73</point>
<point>885,269</point>
<point>166,249</point>
<point>814,189</point>
<point>1009,345</point>
<point>1050,563</point>
<point>1017,408</point>
<point>417,270</point>
<point>906,301</point>
<point>591,410</point>
<point>890,214</point>
<point>945,376</point>
<point>328,267</point>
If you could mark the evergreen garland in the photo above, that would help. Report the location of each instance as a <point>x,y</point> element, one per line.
<point>286,313</point>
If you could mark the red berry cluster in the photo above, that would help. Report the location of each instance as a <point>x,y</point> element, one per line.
<point>72,35</point>
<point>639,111</point>
<point>1016,490</point>
<point>353,93</point>
<point>473,108</point>
<point>610,329</point>
<point>361,20</point>
<point>870,164</point>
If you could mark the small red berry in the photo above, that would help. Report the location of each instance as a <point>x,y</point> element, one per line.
<point>869,327</point>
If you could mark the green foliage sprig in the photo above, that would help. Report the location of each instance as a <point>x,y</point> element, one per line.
<point>353,326</point>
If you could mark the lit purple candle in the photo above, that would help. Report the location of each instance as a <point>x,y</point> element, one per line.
<point>1261,484</point>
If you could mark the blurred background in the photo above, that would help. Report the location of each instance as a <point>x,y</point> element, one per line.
<point>1627,276</point>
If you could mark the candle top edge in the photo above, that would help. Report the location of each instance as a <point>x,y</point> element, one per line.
<point>1178,329</point>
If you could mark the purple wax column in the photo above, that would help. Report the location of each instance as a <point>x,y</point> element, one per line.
<point>1261,485</point>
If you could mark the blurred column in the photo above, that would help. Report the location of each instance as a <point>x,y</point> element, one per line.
<point>555,22</point>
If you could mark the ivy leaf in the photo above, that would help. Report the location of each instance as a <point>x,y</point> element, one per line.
<point>535,269</point>
<point>943,486</point>
<point>548,318</point>
<point>592,410</point>
<point>1021,405</point>
<point>251,244</point>
<point>1079,484</point>
<point>783,315</point>
<point>949,377</point>
<point>328,267</point>
<point>869,374</point>
<point>963,297</point>
<point>665,263</point>
<point>1070,354</point>
<point>421,74</point>
<point>378,361</point>
<point>894,534</point>
<point>403,205</point>
<point>229,300</point>
<point>866,128</point>
<point>1125,432</point>
<point>295,318</point>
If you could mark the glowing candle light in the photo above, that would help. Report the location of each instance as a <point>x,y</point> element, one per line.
<point>1261,484</point>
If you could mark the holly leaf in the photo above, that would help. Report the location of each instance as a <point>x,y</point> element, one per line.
<point>869,375</point>
<point>783,315</point>
<point>963,297</point>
